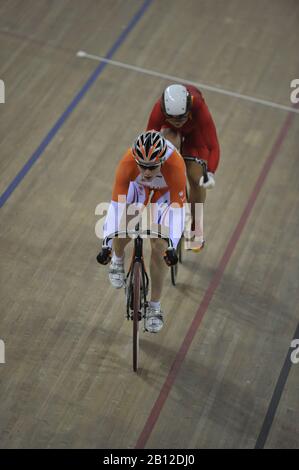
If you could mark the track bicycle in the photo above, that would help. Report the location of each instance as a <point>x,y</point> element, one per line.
<point>137,279</point>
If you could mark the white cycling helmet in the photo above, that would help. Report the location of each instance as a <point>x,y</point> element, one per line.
<point>176,101</point>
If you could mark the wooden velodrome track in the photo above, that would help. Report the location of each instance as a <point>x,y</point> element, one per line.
<point>219,375</point>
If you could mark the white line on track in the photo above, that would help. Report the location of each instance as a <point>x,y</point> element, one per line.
<point>84,54</point>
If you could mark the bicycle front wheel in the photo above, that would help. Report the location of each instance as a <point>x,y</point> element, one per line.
<point>136,312</point>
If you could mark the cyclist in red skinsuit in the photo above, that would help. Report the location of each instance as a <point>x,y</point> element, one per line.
<point>183,117</point>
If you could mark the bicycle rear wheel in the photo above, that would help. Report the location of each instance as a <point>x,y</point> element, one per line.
<point>136,312</point>
<point>174,273</point>
<point>175,268</point>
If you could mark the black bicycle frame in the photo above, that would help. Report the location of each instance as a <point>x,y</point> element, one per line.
<point>137,258</point>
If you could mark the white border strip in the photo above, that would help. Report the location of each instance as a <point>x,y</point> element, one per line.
<point>181,80</point>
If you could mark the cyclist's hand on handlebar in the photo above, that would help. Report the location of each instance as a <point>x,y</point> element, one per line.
<point>170,257</point>
<point>104,257</point>
<point>210,183</point>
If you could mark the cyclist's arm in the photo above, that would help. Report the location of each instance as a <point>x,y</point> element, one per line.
<point>174,173</point>
<point>125,173</point>
<point>156,119</point>
<point>208,131</point>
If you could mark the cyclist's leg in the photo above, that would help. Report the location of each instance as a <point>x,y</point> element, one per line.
<point>194,147</point>
<point>197,194</point>
<point>134,200</point>
<point>158,269</point>
<point>194,173</point>
<point>136,195</point>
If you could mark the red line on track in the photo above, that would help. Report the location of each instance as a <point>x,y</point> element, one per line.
<point>180,356</point>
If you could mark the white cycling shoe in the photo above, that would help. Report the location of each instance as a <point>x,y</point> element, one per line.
<point>153,319</point>
<point>117,273</point>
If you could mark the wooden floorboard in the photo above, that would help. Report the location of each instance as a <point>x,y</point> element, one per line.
<point>67,381</point>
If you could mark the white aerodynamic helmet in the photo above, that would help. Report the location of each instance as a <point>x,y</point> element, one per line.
<point>176,101</point>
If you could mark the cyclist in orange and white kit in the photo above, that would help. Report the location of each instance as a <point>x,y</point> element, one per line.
<point>183,117</point>
<point>152,166</point>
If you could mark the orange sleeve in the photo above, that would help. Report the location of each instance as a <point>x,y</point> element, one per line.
<point>174,172</point>
<point>126,172</point>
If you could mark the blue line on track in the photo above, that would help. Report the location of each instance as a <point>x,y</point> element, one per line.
<point>59,123</point>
